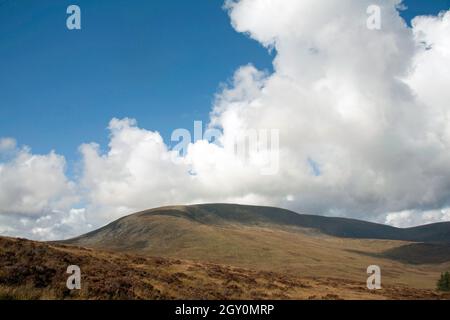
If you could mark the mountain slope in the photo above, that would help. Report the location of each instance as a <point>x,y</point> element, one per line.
<point>272,239</point>
<point>217,214</point>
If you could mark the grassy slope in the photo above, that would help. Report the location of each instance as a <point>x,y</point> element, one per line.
<point>259,240</point>
<point>214,214</point>
<point>31,270</point>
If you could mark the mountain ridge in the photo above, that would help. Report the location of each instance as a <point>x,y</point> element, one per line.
<point>332,226</point>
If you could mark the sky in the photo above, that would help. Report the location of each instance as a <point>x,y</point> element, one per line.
<point>169,63</point>
<point>61,88</point>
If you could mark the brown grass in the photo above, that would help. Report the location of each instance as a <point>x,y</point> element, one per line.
<point>293,250</point>
<point>32,270</point>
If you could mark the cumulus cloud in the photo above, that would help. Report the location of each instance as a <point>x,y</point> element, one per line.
<point>415,217</point>
<point>363,105</point>
<point>53,225</point>
<point>139,172</point>
<point>35,195</point>
<point>362,117</point>
<point>31,184</point>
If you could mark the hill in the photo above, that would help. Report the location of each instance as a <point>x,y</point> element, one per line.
<point>219,214</point>
<point>278,240</point>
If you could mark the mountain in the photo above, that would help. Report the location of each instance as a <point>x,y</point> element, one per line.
<point>279,240</point>
<point>222,214</point>
<point>224,251</point>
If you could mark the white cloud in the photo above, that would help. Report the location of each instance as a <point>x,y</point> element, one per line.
<point>410,218</point>
<point>55,225</point>
<point>7,144</point>
<point>35,194</point>
<point>363,119</point>
<point>349,99</point>
<point>137,171</point>
<point>31,184</point>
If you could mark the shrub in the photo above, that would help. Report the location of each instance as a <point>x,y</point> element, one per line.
<point>443,283</point>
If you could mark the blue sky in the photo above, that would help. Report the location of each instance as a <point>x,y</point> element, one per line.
<point>160,62</point>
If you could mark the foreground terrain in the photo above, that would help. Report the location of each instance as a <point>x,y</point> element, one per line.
<point>32,270</point>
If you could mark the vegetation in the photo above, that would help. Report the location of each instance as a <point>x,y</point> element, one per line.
<point>33,270</point>
<point>443,283</point>
<point>271,239</point>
